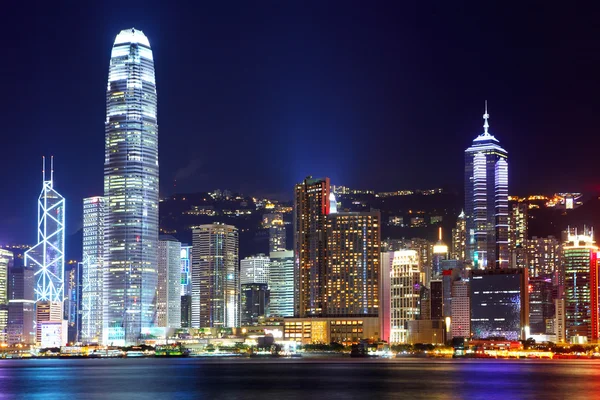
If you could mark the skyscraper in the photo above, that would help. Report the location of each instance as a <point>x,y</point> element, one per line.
<point>581,287</point>
<point>311,207</point>
<point>254,302</point>
<point>130,190</point>
<point>281,283</point>
<point>440,253</point>
<point>255,269</point>
<point>73,300</point>
<point>353,264</point>
<point>404,278</point>
<point>459,238</point>
<point>499,303</point>
<point>486,201</point>
<point>6,260</point>
<point>517,238</point>
<point>277,233</point>
<point>543,255</point>
<point>21,305</point>
<point>92,269</point>
<point>215,277</point>
<point>47,257</point>
<point>168,300</point>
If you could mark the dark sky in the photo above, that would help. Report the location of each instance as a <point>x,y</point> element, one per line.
<point>255,95</point>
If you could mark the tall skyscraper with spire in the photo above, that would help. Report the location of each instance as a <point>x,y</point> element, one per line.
<point>486,201</point>
<point>130,191</point>
<point>47,258</point>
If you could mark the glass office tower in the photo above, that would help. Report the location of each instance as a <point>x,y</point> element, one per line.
<point>130,190</point>
<point>486,201</point>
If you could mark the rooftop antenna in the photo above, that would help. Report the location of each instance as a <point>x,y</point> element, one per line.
<point>43,168</point>
<point>486,116</point>
<point>51,169</point>
<point>440,233</point>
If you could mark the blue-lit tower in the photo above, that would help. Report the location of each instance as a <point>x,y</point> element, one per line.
<point>130,191</point>
<point>47,256</point>
<point>486,201</point>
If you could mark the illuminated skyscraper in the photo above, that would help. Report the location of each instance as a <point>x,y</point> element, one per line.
<point>312,204</point>
<point>281,283</point>
<point>255,269</point>
<point>486,201</point>
<point>21,305</point>
<point>277,232</point>
<point>92,269</point>
<point>517,238</point>
<point>6,259</point>
<point>440,253</point>
<point>353,264</point>
<point>47,256</point>
<point>215,277</point>
<point>168,300</point>
<point>402,279</point>
<point>499,303</point>
<point>186,276</point>
<point>581,287</point>
<point>459,238</point>
<point>543,255</point>
<point>130,190</point>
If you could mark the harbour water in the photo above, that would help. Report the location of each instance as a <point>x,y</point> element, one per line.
<point>193,378</point>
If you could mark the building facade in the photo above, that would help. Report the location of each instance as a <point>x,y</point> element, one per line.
<point>459,238</point>
<point>517,237</point>
<point>353,264</point>
<point>92,270</point>
<point>21,305</point>
<point>486,202</point>
<point>130,191</point>
<point>6,263</point>
<point>215,277</point>
<point>277,232</point>
<point>405,286</point>
<point>255,302</point>
<point>581,287</point>
<point>311,207</point>
<point>281,283</point>
<point>460,325</point>
<point>499,303</point>
<point>544,255</point>
<point>168,299</point>
<point>255,269</point>
<point>47,256</point>
<point>541,304</point>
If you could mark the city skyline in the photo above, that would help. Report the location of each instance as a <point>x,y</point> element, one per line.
<point>531,107</point>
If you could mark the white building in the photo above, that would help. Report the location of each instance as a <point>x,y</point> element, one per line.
<point>281,283</point>
<point>255,269</point>
<point>92,271</point>
<point>405,284</point>
<point>131,191</point>
<point>168,301</point>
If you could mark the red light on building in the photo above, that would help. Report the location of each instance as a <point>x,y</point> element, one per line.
<point>594,294</point>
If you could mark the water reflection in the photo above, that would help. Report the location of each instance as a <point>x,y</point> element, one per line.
<point>297,379</point>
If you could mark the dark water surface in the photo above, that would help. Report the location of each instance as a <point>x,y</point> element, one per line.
<point>232,379</point>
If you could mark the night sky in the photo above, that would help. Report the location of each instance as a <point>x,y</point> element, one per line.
<point>253,96</point>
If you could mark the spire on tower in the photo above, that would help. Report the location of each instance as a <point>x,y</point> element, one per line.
<point>486,116</point>
<point>43,168</point>
<point>51,169</point>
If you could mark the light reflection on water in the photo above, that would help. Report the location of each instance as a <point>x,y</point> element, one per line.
<point>297,379</point>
